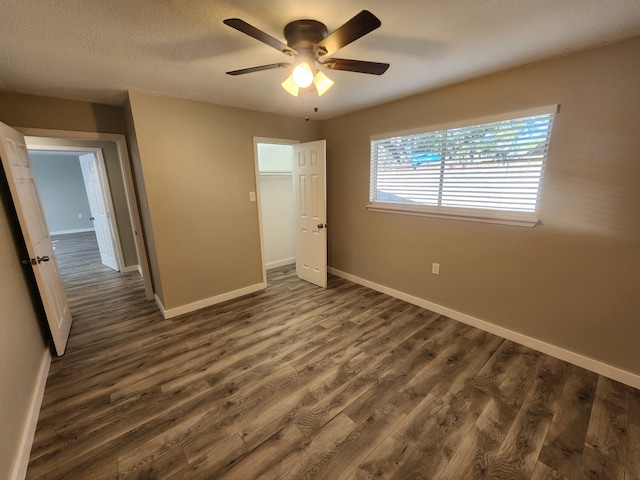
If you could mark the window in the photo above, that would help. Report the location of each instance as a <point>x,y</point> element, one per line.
<point>486,170</point>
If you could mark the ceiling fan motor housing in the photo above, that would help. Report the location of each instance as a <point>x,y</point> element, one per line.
<point>304,35</point>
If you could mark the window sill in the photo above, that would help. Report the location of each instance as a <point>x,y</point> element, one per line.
<point>518,219</point>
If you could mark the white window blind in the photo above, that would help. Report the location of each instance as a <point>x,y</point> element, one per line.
<point>476,170</point>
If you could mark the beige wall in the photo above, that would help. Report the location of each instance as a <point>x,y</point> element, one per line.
<point>571,281</point>
<point>22,110</point>
<point>198,165</point>
<point>145,217</point>
<point>22,345</point>
<point>33,111</point>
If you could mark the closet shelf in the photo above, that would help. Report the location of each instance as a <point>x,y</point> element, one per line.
<point>268,174</point>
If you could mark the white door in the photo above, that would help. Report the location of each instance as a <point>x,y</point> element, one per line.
<point>311,208</point>
<point>101,213</point>
<point>42,260</point>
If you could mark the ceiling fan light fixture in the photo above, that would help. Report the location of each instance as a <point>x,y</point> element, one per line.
<point>302,75</point>
<point>322,83</point>
<point>311,46</point>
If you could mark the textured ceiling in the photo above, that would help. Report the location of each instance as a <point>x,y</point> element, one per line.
<point>97,50</point>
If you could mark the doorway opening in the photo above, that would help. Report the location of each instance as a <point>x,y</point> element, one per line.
<point>291,185</point>
<point>274,166</point>
<point>115,174</point>
<point>77,201</point>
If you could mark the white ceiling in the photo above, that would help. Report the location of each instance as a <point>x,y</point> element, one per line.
<point>96,50</point>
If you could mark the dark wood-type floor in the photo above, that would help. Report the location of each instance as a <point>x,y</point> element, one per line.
<point>301,382</point>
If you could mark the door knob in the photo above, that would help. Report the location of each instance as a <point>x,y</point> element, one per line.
<point>321,225</point>
<point>42,259</point>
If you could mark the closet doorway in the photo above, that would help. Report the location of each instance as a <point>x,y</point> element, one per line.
<point>274,181</point>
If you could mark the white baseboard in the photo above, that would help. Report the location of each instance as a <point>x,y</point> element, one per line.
<point>26,441</point>
<point>159,305</point>
<point>280,263</point>
<point>207,302</point>
<point>77,230</point>
<point>130,268</point>
<point>609,371</point>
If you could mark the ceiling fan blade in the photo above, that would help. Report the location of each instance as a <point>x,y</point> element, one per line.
<point>252,31</point>
<point>374,68</point>
<point>357,27</point>
<point>259,69</point>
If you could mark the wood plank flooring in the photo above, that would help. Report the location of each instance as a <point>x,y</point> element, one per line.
<point>299,382</point>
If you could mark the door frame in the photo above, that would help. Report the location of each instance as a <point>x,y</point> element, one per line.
<point>106,190</point>
<point>256,141</point>
<point>130,192</point>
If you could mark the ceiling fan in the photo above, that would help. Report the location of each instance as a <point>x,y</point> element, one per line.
<point>310,44</point>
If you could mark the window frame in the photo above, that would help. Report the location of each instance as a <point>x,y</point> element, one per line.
<point>504,217</point>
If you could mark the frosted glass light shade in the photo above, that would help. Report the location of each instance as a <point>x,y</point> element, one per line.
<point>290,86</point>
<point>302,75</point>
<point>322,83</point>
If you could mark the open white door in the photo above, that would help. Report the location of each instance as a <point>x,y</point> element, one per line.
<point>311,208</point>
<point>101,210</point>
<point>42,260</point>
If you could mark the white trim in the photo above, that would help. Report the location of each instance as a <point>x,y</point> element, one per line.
<point>281,263</point>
<point>207,302</point>
<point>275,141</point>
<point>498,117</point>
<point>131,268</point>
<point>524,219</point>
<point>77,230</point>
<point>609,371</point>
<point>159,305</point>
<point>19,471</point>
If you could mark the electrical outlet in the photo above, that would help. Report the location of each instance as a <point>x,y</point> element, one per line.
<point>79,215</point>
<point>435,268</point>
<point>252,196</point>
